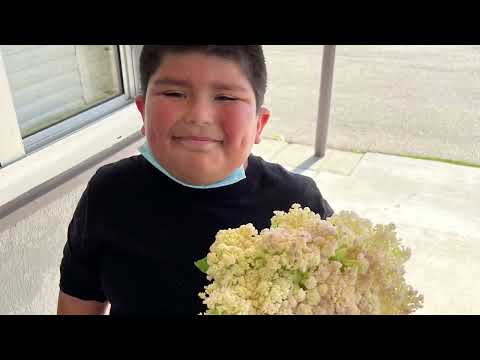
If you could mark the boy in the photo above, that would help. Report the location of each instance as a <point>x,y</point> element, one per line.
<point>143,221</point>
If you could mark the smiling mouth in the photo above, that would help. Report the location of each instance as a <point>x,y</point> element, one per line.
<point>197,143</point>
<point>196,139</point>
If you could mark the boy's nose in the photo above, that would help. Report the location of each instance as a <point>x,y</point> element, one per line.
<point>199,113</point>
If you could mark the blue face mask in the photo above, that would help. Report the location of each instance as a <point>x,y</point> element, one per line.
<point>236,176</point>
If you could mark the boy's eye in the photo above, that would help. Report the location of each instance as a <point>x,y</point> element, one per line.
<point>174,94</point>
<point>225,98</point>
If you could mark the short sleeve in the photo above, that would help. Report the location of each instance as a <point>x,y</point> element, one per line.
<point>79,268</point>
<point>316,201</point>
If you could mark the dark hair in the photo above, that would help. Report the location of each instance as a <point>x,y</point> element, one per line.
<point>249,57</point>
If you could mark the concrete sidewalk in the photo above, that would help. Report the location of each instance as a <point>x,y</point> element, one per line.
<point>395,99</point>
<point>435,206</point>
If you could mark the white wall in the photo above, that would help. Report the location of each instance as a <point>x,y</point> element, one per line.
<point>32,240</point>
<point>29,257</point>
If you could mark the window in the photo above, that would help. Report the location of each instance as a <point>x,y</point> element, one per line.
<point>57,89</point>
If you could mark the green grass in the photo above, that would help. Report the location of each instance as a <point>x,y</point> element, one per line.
<point>419,157</point>
<point>411,156</point>
<point>356,151</point>
<point>430,158</point>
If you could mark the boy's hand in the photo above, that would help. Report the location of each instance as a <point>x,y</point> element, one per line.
<point>69,305</point>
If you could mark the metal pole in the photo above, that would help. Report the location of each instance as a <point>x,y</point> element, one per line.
<point>326,81</point>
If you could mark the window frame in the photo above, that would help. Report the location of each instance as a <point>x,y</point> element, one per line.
<point>11,144</point>
<point>15,147</point>
<point>26,165</point>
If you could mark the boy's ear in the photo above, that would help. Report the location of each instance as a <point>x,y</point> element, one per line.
<point>262,120</point>
<point>140,102</point>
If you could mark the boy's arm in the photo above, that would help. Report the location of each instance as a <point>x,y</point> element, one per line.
<point>316,200</point>
<point>80,289</point>
<point>69,305</point>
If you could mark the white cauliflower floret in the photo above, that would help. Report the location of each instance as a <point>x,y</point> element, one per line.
<point>305,265</point>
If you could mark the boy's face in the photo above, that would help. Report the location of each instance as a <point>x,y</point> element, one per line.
<point>199,117</point>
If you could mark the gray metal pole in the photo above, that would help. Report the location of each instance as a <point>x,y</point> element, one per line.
<point>326,82</point>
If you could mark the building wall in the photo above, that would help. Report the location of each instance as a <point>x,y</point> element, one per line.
<point>32,239</point>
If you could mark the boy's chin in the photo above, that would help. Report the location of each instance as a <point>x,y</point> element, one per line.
<point>199,175</point>
<point>204,172</point>
<point>202,179</point>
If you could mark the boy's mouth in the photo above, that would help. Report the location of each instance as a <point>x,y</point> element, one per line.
<point>195,138</point>
<point>196,142</point>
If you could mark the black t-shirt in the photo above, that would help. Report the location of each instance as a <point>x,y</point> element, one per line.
<point>135,234</point>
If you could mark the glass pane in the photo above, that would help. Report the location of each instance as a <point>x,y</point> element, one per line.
<point>407,100</point>
<point>52,83</point>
